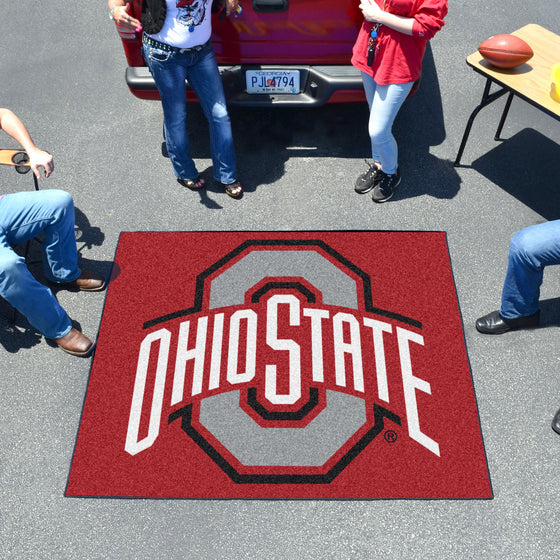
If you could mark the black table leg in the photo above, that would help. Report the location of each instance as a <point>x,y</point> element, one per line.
<point>504,116</point>
<point>487,98</point>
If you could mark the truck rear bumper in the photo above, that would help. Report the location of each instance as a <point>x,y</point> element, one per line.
<point>318,85</point>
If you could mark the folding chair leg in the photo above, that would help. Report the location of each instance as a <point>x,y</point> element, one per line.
<point>13,318</point>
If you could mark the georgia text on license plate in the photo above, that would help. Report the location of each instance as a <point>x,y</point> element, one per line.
<point>272,81</point>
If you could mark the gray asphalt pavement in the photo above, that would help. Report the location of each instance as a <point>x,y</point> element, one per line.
<point>62,72</point>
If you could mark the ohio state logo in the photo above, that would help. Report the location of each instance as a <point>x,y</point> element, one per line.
<point>278,371</point>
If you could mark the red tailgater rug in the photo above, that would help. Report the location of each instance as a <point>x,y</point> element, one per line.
<point>281,365</point>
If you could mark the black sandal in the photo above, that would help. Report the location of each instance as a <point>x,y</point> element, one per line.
<point>235,190</point>
<point>193,184</point>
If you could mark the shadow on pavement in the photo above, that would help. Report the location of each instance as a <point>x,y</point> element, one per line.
<point>86,234</point>
<point>419,126</point>
<point>527,166</point>
<point>550,312</point>
<point>268,137</point>
<point>15,337</point>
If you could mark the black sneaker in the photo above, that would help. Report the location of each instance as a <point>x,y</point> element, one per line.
<point>366,181</point>
<point>386,186</point>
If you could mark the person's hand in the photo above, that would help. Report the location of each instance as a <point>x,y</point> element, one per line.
<point>125,20</point>
<point>371,11</point>
<point>39,158</point>
<point>230,6</point>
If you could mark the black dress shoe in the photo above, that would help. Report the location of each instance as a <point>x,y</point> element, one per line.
<point>556,423</point>
<point>494,323</point>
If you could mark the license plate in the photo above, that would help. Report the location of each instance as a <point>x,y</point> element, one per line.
<point>272,81</point>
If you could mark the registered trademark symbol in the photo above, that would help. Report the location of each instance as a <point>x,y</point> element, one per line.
<point>390,436</point>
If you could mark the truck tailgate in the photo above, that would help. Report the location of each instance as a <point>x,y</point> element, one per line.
<point>289,32</point>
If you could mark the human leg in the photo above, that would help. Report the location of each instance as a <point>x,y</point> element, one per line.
<point>385,105</point>
<point>22,217</point>
<point>531,250</point>
<point>384,102</point>
<point>205,79</point>
<point>369,90</point>
<point>31,298</point>
<point>27,214</point>
<point>367,180</point>
<point>169,72</point>
<point>387,101</point>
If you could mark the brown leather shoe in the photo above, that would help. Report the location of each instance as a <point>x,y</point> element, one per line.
<point>88,281</point>
<point>75,343</point>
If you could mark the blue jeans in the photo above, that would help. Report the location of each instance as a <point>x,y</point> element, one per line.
<point>384,104</point>
<point>170,70</point>
<point>530,251</point>
<point>23,216</point>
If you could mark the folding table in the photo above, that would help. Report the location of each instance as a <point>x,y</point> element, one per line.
<point>530,81</point>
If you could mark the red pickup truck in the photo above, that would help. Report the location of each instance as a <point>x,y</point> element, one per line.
<point>277,52</point>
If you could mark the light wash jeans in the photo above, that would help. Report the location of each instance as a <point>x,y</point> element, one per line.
<point>384,104</point>
<point>530,251</point>
<point>23,216</point>
<point>169,70</point>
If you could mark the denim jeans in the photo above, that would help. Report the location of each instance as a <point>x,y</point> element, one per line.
<point>23,216</point>
<point>169,70</point>
<point>530,251</point>
<point>384,104</point>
